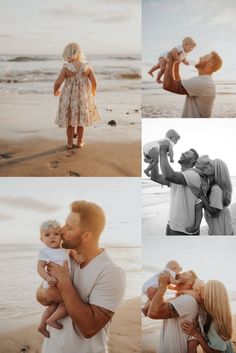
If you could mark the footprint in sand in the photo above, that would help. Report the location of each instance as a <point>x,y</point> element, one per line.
<point>25,348</point>
<point>69,153</point>
<point>54,164</point>
<point>5,155</point>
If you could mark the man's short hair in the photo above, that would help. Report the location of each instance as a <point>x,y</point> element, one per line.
<point>196,155</point>
<point>92,216</point>
<point>216,61</point>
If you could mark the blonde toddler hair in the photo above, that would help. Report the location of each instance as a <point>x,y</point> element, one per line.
<point>73,52</point>
<point>188,40</point>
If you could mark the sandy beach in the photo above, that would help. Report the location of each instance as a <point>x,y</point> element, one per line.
<point>151,332</point>
<point>163,104</point>
<point>20,335</point>
<point>38,149</point>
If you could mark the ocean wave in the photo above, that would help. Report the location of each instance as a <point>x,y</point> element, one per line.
<point>7,58</point>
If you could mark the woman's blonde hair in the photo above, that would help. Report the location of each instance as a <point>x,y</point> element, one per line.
<point>73,52</point>
<point>217,304</point>
<point>222,178</point>
<point>198,285</point>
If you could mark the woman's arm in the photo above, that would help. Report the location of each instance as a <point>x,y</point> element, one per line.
<point>191,329</point>
<point>199,193</point>
<point>59,81</point>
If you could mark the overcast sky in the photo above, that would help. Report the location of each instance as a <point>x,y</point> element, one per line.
<point>210,22</point>
<point>46,26</point>
<point>209,257</point>
<point>215,137</point>
<point>27,202</point>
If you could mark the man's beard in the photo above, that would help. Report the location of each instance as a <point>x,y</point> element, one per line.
<point>200,65</point>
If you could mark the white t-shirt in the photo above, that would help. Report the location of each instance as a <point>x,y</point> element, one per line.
<point>182,203</point>
<point>182,54</point>
<point>154,280</point>
<point>172,337</point>
<point>53,255</point>
<point>200,98</point>
<point>101,283</point>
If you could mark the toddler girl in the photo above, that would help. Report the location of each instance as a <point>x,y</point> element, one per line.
<point>50,235</point>
<point>179,53</point>
<point>77,107</point>
<point>151,150</point>
<point>150,286</point>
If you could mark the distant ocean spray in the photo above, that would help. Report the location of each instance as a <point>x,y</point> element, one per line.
<point>36,73</point>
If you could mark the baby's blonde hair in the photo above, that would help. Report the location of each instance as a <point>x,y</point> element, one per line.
<point>47,224</point>
<point>73,52</point>
<point>188,40</point>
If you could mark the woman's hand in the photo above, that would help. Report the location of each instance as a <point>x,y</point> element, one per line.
<point>190,328</point>
<point>57,93</point>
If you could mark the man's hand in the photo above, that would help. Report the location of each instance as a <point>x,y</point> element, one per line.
<point>164,279</point>
<point>61,273</point>
<point>164,147</point>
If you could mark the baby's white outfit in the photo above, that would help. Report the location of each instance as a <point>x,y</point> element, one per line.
<point>155,144</point>
<point>154,280</point>
<point>53,255</point>
<point>181,53</point>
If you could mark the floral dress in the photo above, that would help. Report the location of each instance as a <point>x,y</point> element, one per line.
<point>76,104</point>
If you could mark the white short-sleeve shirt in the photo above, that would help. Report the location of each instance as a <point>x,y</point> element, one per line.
<point>182,54</point>
<point>101,283</point>
<point>172,337</point>
<point>200,98</point>
<point>182,203</point>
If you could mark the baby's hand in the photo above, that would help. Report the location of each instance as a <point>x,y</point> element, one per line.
<point>57,93</point>
<point>52,281</point>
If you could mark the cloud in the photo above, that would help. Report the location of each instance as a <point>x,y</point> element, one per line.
<point>116,18</point>
<point>226,17</point>
<point>70,11</point>
<point>28,203</point>
<point>6,217</point>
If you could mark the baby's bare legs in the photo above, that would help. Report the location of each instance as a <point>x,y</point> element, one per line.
<point>58,314</point>
<point>154,156</point>
<point>192,346</point>
<point>162,63</point>
<point>80,135</point>
<point>154,68</point>
<point>43,323</point>
<point>70,135</point>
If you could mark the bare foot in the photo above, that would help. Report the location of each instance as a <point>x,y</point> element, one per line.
<point>80,145</point>
<point>150,73</point>
<point>43,329</point>
<point>147,173</point>
<point>159,80</point>
<point>54,324</point>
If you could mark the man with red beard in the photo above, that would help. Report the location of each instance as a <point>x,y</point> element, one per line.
<point>200,90</point>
